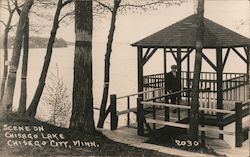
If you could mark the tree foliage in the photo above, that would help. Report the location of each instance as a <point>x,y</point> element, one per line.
<point>57,97</point>
<point>126,6</point>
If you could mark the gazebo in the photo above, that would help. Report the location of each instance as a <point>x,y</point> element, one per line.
<point>179,39</point>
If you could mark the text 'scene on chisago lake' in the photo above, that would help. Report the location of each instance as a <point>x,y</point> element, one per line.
<point>36,136</point>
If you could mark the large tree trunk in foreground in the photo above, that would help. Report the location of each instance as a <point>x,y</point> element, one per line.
<point>39,90</point>
<point>7,101</point>
<point>194,112</point>
<point>23,94</point>
<point>107,65</point>
<point>82,108</point>
<point>5,48</point>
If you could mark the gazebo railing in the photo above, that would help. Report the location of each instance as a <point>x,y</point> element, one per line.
<point>235,88</point>
<point>151,82</point>
<point>234,84</point>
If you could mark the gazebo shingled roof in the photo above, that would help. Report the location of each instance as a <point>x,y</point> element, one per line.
<point>183,34</point>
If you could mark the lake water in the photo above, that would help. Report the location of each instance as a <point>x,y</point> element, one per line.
<point>123,79</point>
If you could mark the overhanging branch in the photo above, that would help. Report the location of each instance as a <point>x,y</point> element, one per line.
<point>148,4</point>
<point>66,2</point>
<point>1,21</point>
<point>104,5</point>
<point>17,7</point>
<point>64,16</point>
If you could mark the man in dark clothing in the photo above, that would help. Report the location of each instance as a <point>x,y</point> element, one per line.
<point>173,83</point>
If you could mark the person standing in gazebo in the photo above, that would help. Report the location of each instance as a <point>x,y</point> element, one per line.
<point>173,84</point>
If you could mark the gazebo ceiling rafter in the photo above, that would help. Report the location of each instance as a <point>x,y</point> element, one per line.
<point>146,53</point>
<point>238,53</point>
<point>175,57</point>
<point>225,58</point>
<point>209,61</point>
<point>150,52</point>
<point>247,51</point>
<point>188,53</point>
<point>146,58</point>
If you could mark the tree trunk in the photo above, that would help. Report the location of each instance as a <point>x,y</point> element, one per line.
<point>5,48</point>
<point>107,65</point>
<point>23,95</point>
<point>82,107</point>
<point>7,101</point>
<point>194,112</point>
<point>31,111</point>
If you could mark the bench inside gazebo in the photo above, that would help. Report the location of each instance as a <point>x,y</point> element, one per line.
<point>219,92</point>
<point>223,96</point>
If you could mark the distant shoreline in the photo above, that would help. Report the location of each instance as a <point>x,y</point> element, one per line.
<point>10,48</point>
<point>40,42</point>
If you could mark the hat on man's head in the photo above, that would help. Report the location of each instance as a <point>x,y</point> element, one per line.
<point>173,66</point>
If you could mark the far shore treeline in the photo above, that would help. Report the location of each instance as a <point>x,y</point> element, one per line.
<point>39,42</point>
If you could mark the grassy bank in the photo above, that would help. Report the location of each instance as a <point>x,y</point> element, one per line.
<point>19,137</point>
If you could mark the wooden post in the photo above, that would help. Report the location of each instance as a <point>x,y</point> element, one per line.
<point>248,62</point>
<point>179,65</point>
<point>248,70</point>
<point>219,86</point>
<point>140,70</point>
<point>203,144</point>
<point>154,111</point>
<point>188,82</point>
<point>140,126</point>
<point>128,115</point>
<point>179,78</point>
<point>165,84</point>
<point>238,124</point>
<point>188,77</point>
<point>140,129</point>
<point>113,113</point>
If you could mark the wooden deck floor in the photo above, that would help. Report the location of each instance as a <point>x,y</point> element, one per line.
<point>128,135</point>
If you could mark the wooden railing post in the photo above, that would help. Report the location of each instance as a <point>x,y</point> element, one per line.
<point>166,109</point>
<point>128,115</point>
<point>113,113</point>
<point>140,126</point>
<point>154,114</point>
<point>178,109</point>
<point>202,121</point>
<point>238,124</point>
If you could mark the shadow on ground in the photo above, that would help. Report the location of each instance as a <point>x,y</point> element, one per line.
<point>177,138</point>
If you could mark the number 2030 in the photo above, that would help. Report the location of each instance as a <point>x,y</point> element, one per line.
<point>188,143</point>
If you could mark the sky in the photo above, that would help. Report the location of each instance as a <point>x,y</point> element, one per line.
<point>234,14</point>
<point>134,26</point>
